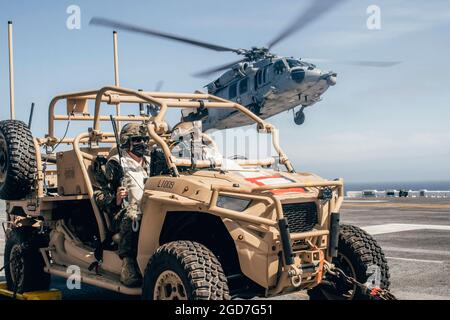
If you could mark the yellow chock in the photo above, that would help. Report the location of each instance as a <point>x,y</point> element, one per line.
<point>52,294</point>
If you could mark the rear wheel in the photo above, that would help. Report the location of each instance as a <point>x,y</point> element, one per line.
<point>360,257</point>
<point>24,265</point>
<point>184,270</point>
<point>17,160</point>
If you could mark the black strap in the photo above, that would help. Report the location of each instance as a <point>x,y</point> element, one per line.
<point>98,251</point>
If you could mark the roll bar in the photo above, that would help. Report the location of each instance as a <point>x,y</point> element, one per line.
<point>114,95</point>
<point>77,110</point>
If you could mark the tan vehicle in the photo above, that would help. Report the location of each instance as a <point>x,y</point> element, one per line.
<point>211,228</point>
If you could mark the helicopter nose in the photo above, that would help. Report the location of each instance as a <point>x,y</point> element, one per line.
<point>330,77</point>
<point>308,75</point>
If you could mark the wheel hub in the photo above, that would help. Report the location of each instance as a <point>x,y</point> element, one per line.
<point>16,264</point>
<point>169,286</point>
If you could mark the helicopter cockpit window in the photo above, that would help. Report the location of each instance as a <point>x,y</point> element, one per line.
<point>265,77</point>
<point>232,91</point>
<point>294,63</point>
<point>243,86</point>
<point>279,67</point>
<point>258,79</point>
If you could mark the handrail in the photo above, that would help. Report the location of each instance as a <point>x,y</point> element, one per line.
<point>90,189</point>
<point>102,91</point>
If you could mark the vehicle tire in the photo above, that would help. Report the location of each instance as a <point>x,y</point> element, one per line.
<point>17,160</point>
<point>24,265</point>
<point>184,270</point>
<point>358,253</point>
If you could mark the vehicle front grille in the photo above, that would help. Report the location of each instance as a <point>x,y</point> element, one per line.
<point>301,217</point>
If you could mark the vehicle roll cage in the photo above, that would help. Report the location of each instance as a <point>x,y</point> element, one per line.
<point>77,110</point>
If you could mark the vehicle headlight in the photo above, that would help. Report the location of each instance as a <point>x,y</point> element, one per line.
<point>232,203</point>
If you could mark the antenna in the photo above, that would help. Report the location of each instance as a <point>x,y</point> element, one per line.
<point>11,73</point>
<point>141,106</point>
<point>30,119</point>
<point>116,73</point>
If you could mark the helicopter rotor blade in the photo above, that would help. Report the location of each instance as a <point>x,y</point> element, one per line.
<point>105,22</point>
<point>314,11</point>
<point>365,63</point>
<point>210,71</point>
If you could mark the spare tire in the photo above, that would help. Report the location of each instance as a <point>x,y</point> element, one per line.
<point>17,160</point>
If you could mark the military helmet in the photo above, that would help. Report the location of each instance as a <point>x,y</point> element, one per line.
<point>129,130</point>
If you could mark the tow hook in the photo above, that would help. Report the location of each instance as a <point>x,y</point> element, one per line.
<point>375,293</point>
<point>296,276</point>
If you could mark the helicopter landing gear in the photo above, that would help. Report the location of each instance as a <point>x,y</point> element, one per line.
<point>299,116</point>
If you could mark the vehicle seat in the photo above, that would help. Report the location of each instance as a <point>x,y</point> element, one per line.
<point>158,163</point>
<point>99,173</point>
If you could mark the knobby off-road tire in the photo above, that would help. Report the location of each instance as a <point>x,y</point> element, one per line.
<point>24,265</point>
<point>358,251</point>
<point>184,270</point>
<point>17,160</point>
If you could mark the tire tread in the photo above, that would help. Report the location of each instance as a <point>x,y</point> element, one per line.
<point>205,274</point>
<point>21,169</point>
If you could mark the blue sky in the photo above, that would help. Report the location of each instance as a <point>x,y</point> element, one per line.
<point>387,124</point>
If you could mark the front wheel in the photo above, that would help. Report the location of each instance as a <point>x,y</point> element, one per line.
<point>184,270</point>
<point>360,257</point>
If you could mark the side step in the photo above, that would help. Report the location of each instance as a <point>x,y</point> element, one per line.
<point>52,294</point>
<point>98,280</point>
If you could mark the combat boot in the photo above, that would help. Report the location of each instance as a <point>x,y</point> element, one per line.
<point>130,275</point>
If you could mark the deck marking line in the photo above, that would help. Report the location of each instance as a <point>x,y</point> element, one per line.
<point>398,227</point>
<point>415,260</point>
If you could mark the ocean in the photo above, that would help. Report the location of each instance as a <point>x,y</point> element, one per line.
<point>380,186</point>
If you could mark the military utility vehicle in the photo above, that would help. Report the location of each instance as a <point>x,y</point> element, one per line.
<point>210,228</point>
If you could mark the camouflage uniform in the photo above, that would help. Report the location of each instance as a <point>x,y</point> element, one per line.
<point>121,218</point>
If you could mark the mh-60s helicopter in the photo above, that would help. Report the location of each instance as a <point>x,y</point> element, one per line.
<point>265,83</point>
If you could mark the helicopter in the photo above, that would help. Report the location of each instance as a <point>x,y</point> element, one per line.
<point>265,83</point>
